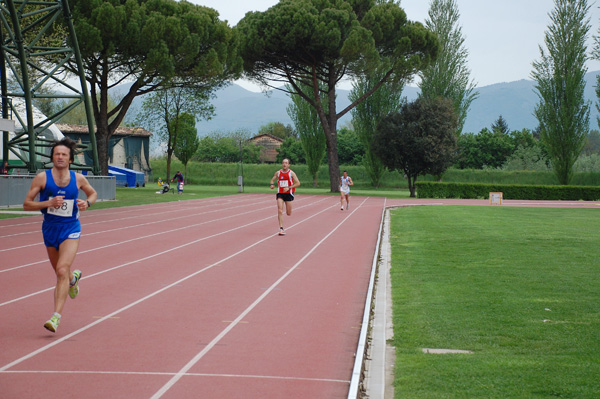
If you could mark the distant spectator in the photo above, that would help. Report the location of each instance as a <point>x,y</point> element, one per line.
<point>4,168</point>
<point>179,177</point>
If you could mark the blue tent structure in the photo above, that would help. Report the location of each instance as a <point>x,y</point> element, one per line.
<point>133,178</point>
<point>120,178</point>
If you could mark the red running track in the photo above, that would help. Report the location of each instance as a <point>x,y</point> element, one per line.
<point>194,299</point>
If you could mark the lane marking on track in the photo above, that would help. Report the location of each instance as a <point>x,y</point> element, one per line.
<point>100,214</point>
<point>242,315</point>
<point>150,373</point>
<point>185,216</point>
<point>133,239</point>
<point>147,257</point>
<point>155,293</point>
<point>126,241</point>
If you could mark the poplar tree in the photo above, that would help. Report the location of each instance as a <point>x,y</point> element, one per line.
<point>559,75</point>
<point>187,138</point>
<point>367,114</point>
<point>308,127</point>
<point>448,76</point>
<point>596,56</point>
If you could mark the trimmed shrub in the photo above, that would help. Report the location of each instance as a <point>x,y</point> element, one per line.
<point>509,191</point>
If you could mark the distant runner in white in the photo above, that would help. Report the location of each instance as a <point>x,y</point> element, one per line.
<point>345,183</point>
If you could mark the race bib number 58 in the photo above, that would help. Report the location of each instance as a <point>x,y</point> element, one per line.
<point>65,210</point>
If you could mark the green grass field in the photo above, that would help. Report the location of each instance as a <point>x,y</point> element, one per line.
<point>517,286</point>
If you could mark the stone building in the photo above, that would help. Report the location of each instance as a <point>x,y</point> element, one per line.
<point>269,144</point>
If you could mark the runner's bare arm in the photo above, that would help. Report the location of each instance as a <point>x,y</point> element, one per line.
<point>89,191</point>
<point>274,178</point>
<point>295,180</point>
<point>37,185</point>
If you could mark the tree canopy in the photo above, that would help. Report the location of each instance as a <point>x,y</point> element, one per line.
<point>319,42</point>
<point>419,139</point>
<point>162,109</point>
<point>148,43</point>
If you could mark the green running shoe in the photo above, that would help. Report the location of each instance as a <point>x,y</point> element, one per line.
<point>74,288</point>
<point>52,324</point>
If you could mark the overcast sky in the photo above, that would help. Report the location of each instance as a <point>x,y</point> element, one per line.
<point>502,37</point>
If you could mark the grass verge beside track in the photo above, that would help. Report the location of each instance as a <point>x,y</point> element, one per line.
<point>517,286</point>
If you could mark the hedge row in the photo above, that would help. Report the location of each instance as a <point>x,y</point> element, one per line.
<point>509,191</point>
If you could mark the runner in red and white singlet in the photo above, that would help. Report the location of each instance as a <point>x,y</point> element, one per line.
<point>284,180</point>
<point>287,181</point>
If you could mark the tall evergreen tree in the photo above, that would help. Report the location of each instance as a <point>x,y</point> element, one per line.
<point>448,76</point>
<point>366,116</point>
<point>596,56</point>
<point>500,126</point>
<point>187,138</point>
<point>310,130</point>
<point>559,76</point>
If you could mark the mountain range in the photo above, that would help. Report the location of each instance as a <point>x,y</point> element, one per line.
<point>237,108</point>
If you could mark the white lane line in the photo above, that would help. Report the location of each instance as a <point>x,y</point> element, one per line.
<point>137,238</point>
<point>174,284</point>
<point>151,373</point>
<point>135,226</point>
<point>162,220</point>
<point>147,257</point>
<point>133,239</point>
<point>242,315</point>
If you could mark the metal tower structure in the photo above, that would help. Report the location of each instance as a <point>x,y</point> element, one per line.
<point>38,41</point>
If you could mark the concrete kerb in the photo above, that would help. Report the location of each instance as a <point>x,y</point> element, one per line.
<point>381,357</point>
<point>373,373</point>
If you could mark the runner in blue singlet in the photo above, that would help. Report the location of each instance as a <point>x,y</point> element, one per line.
<point>59,189</point>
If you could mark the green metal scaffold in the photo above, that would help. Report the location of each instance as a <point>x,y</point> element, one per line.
<point>38,45</point>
